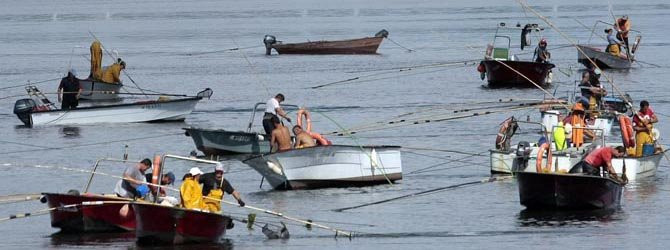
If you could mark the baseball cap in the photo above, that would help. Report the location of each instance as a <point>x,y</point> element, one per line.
<point>195,171</point>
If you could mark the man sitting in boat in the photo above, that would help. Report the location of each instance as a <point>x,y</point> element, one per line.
<point>613,46</point>
<point>280,139</point>
<point>541,54</point>
<point>112,73</point>
<point>598,158</point>
<point>132,185</point>
<point>272,109</point>
<point>302,138</point>
<point>213,186</point>
<point>190,190</point>
<point>167,179</point>
<point>643,122</point>
<point>69,91</point>
<point>591,89</point>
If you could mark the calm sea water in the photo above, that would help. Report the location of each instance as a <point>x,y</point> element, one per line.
<point>167,46</point>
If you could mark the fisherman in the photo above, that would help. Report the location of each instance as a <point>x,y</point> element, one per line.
<point>591,89</point>
<point>541,54</point>
<point>191,193</point>
<point>643,122</point>
<point>623,27</point>
<point>272,109</point>
<point>577,122</point>
<point>69,91</point>
<point>167,179</point>
<point>601,157</point>
<point>280,139</point>
<point>133,183</point>
<point>112,73</point>
<point>213,186</point>
<point>302,138</point>
<point>613,46</point>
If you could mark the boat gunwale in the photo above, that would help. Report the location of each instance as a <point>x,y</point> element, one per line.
<point>322,146</point>
<point>192,98</point>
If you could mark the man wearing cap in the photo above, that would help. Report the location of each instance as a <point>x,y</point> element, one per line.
<point>132,185</point>
<point>213,186</point>
<point>643,122</point>
<point>168,179</point>
<point>191,193</point>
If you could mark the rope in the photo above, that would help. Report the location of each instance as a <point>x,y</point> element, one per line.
<point>408,50</point>
<point>29,83</point>
<point>218,51</point>
<point>253,69</point>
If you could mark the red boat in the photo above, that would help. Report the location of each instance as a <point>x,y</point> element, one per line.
<point>367,45</point>
<point>158,224</point>
<point>106,217</point>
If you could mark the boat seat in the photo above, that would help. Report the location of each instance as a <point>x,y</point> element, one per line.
<point>501,54</point>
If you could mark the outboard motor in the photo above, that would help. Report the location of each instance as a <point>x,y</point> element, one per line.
<point>520,162</point>
<point>23,108</point>
<point>269,40</point>
<point>382,33</point>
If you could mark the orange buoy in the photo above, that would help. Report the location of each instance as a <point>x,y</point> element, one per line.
<point>540,156</point>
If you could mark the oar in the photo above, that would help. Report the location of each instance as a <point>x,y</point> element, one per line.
<point>18,198</point>
<point>623,170</point>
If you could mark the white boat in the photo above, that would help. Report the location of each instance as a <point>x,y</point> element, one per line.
<point>33,114</point>
<point>600,125</point>
<point>329,166</point>
<point>510,162</point>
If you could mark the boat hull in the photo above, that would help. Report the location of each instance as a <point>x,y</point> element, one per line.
<point>567,191</point>
<point>157,224</point>
<point>366,45</point>
<point>603,59</point>
<point>99,91</point>
<point>222,142</point>
<point>500,76</point>
<point>172,110</point>
<point>89,218</point>
<point>329,166</point>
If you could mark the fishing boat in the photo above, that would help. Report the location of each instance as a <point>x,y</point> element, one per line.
<point>568,191</point>
<point>89,218</point>
<point>39,111</point>
<point>503,69</point>
<point>367,45</point>
<point>329,166</point>
<point>225,142</point>
<point>99,91</point>
<point>158,224</point>
<point>603,59</point>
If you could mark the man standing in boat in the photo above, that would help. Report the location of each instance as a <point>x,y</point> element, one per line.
<point>272,109</point>
<point>643,122</point>
<point>622,26</point>
<point>541,54</point>
<point>280,139</point>
<point>132,186</point>
<point>213,186</point>
<point>69,91</point>
<point>601,157</point>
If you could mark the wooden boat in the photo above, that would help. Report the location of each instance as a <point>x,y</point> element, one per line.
<point>367,45</point>
<point>34,112</point>
<point>604,59</point>
<point>568,191</point>
<point>158,224</point>
<point>225,142</point>
<point>503,69</point>
<point>90,218</point>
<point>329,166</point>
<point>99,91</point>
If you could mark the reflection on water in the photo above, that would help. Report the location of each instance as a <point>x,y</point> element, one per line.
<point>92,239</point>
<point>69,132</point>
<point>548,218</point>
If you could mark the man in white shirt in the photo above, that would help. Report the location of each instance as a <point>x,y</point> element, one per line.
<point>272,109</point>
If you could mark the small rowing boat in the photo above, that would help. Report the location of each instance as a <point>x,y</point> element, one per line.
<point>329,166</point>
<point>38,111</point>
<point>367,45</point>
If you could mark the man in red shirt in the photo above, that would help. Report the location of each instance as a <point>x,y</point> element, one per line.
<point>601,157</point>
<point>642,124</point>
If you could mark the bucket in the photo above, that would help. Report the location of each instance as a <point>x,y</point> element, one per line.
<point>647,149</point>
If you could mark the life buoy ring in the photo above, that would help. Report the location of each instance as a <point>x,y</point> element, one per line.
<point>320,139</point>
<point>627,135</point>
<point>540,156</point>
<point>155,172</point>
<point>308,119</point>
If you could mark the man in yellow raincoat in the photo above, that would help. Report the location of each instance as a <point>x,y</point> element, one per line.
<point>191,193</point>
<point>643,124</point>
<point>112,74</point>
<point>213,187</point>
